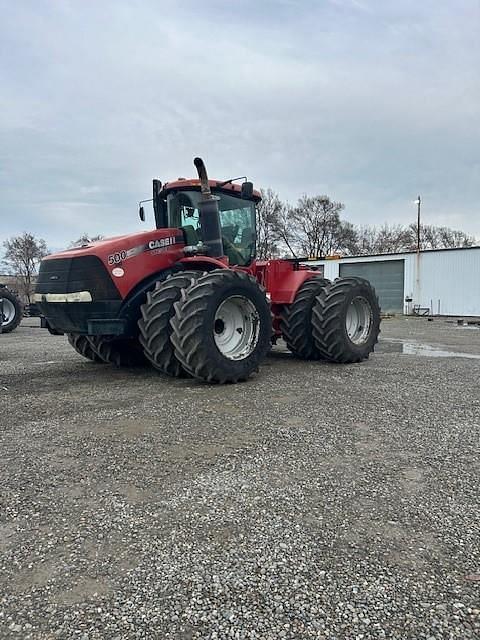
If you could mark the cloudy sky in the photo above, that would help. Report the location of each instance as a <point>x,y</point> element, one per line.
<point>369,101</point>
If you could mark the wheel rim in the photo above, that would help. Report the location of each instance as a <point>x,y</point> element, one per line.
<point>358,321</point>
<point>8,311</point>
<point>236,327</point>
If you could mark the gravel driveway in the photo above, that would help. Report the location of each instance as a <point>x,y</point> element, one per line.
<point>314,501</point>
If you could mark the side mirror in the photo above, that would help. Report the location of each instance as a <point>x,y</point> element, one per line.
<point>141,213</point>
<point>247,190</point>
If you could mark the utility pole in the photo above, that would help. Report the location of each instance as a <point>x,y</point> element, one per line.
<point>419,204</point>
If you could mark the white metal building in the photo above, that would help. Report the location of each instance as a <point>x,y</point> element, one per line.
<point>444,281</point>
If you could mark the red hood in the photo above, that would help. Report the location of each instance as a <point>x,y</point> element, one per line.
<point>111,244</point>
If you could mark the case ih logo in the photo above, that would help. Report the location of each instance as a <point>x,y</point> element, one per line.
<point>153,245</point>
<point>160,244</point>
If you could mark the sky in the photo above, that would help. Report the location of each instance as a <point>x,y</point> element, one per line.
<point>369,102</point>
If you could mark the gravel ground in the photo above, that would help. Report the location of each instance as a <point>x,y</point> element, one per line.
<point>314,501</point>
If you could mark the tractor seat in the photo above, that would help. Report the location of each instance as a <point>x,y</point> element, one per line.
<point>190,234</point>
<point>230,232</point>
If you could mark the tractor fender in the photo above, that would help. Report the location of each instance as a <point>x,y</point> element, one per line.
<point>283,290</point>
<point>130,309</point>
<point>203,262</point>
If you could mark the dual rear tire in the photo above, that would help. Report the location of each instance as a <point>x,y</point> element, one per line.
<point>335,321</point>
<point>83,347</point>
<point>120,352</point>
<point>296,323</point>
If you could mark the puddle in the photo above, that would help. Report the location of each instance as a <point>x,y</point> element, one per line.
<point>417,349</point>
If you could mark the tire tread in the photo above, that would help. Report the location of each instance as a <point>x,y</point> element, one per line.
<point>296,323</point>
<point>188,321</point>
<point>328,321</point>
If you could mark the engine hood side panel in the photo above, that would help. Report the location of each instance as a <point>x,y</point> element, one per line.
<point>126,260</point>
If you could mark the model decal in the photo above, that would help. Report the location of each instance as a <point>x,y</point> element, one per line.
<point>117,257</point>
<point>154,245</point>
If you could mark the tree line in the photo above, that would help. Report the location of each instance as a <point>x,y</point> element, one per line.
<point>314,227</point>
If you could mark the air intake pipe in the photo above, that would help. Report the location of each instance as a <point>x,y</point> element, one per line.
<point>209,214</point>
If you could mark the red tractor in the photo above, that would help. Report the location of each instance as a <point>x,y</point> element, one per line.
<point>190,297</point>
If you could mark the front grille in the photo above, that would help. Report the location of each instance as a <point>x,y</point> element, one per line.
<point>68,275</point>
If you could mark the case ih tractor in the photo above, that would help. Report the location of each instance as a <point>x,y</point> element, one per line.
<point>190,298</point>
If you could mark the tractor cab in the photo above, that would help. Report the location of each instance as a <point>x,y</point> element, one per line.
<point>178,205</point>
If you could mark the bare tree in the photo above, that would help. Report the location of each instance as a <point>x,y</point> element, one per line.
<point>314,227</point>
<point>22,256</point>
<point>85,239</point>
<point>384,239</point>
<point>269,212</point>
<point>398,238</point>
<point>433,237</point>
<point>366,240</point>
<point>453,238</point>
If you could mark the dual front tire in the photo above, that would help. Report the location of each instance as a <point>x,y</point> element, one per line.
<point>214,327</point>
<point>222,327</point>
<point>154,325</point>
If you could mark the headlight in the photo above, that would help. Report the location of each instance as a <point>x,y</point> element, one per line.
<point>77,296</point>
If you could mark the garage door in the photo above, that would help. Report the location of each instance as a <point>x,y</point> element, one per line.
<point>386,277</point>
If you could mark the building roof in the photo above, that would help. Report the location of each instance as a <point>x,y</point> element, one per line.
<point>402,253</point>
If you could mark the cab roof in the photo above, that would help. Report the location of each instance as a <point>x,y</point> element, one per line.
<point>194,183</point>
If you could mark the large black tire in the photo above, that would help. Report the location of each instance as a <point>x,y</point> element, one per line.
<point>82,345</point>
<point>12,311</point>
<point>155,327</point>
<point>346,320</point>
<point>222,327</point>
<point>122,352</point>
<point>296,323</point>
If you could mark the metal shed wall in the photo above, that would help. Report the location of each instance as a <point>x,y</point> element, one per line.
<point>449,281</point>
<point>451,276</point>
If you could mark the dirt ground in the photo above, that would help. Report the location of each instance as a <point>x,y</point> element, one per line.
<point>313,501</point>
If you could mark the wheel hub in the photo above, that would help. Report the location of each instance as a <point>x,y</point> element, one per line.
<point>8,311</point>
<point>219,326</point>
<point>236,327</point>
<point>359,320</point>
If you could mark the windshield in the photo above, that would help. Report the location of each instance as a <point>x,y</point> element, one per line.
<point>237,222</point>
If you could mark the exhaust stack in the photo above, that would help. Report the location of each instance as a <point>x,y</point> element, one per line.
<point>209,214</point>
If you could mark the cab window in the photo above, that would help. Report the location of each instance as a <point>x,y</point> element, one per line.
<point>237,222</point>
